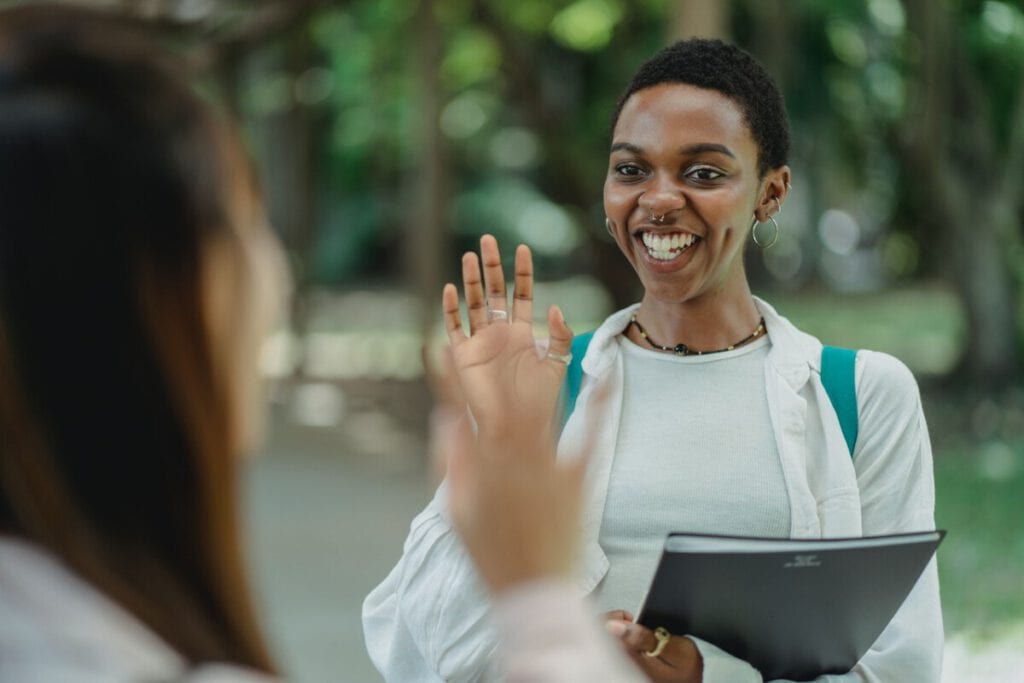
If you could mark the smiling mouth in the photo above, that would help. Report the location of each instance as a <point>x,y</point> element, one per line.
<point>663,246</point>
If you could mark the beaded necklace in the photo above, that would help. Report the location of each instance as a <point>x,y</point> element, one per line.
<point>684,350</point>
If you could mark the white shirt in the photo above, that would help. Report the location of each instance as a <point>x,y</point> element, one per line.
<point>55,627</point>
<point>430,619</point>
<point>693,456</point>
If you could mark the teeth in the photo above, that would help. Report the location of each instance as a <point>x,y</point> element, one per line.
<point>667,247</point>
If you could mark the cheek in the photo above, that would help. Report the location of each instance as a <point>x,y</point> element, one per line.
<point>732,216</point>
<point>618,201</point>
<point>608,198</point>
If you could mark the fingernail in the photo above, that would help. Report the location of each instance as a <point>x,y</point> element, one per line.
<point>616,628</point>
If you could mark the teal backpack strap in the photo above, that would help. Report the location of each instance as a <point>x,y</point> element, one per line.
<point>574,374</point>
<point>837,374</point>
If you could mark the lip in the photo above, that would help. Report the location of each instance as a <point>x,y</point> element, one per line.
<point>659,266</point>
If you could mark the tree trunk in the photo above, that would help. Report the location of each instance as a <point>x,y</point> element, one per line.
<point>953,150</point>
<point>563,180</point>
<point>285,140</point>
<point>425,233</point>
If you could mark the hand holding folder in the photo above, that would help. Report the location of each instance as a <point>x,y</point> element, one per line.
<point>793,609</point>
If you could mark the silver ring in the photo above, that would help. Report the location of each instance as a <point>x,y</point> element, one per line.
<point>658,219</point>
<point>663,637</point>
<point>560,357</point>
<point>496,314</point>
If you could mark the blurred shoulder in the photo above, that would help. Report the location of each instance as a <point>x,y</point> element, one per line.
<point>54,626</point>
<point>883,378</point>
<point>887,389</point>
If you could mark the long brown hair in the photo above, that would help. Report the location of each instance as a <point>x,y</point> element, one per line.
<point>119,427</point>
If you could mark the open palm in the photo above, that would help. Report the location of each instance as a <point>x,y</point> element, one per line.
<point>507,383</point>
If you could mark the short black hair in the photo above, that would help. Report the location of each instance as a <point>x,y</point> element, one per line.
<point>732,71</point>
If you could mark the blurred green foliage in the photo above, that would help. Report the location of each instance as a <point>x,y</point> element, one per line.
<point>525,93</point>
<point>923,326</point>
<point>981,563</point>
<point>844,71</point>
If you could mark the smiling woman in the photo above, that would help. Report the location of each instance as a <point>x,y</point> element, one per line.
<point>682,192</point>
<point>718,421</point>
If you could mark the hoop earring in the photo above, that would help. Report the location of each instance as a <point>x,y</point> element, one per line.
<point>765,244</point>
<point>608,226</point>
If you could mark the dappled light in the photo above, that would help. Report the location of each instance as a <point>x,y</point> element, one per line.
<point>389,136</point>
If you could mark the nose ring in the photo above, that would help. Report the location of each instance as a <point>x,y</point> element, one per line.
<point>658,219</point>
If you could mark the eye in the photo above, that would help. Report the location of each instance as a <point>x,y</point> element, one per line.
<point>704,174</point>
<point>628,170</point>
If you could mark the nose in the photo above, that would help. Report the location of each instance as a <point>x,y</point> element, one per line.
<point>662,197</point>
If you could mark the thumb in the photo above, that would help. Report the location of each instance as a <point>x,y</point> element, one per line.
<point>559,334</point>
<point>459,445</point>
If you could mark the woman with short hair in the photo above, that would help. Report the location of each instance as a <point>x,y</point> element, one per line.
<point>718,421</point>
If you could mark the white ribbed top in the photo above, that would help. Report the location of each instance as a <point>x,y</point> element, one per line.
<point>695,453</point>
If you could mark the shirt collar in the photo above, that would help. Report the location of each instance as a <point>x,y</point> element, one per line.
<point>793,353</point>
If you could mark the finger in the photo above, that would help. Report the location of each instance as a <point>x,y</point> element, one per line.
<point>473,288</point>
<point>494,276</point>
<point>456,444</point>
<point>638,638</point>
<point>618,614</point>
<point>430,371</point>
<point>574,474</point>
<point>581,455</point>
<point>559,334</point>
<point>445,389</point>
<point>452,318</point>
<point>679,653</point>
<point>452,386</point>
<point>522,303</point>
<point>656,670</point>
<point>442,378</point>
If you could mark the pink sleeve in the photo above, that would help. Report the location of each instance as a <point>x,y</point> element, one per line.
<point>549,634</point>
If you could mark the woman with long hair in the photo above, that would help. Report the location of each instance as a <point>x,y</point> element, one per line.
<point>137,279</point>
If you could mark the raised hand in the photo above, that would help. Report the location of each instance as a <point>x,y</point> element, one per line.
<point>505,381</point>
<point>516,508</point>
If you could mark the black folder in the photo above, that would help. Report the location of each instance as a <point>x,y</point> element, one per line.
<point>793,609</point>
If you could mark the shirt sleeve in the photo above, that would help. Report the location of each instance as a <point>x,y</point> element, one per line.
<point>549,635</point>
<point>429,620</point>
<point>893,459</point>
<point>893,462</point>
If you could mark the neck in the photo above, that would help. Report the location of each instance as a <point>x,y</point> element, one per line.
<point>710,322</point>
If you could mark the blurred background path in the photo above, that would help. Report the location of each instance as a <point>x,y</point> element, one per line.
<point>328,517</point>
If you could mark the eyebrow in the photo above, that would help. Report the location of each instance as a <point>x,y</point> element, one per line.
<point>683,151</point>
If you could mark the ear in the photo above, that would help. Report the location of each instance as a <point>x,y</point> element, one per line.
<point>774,188</point>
